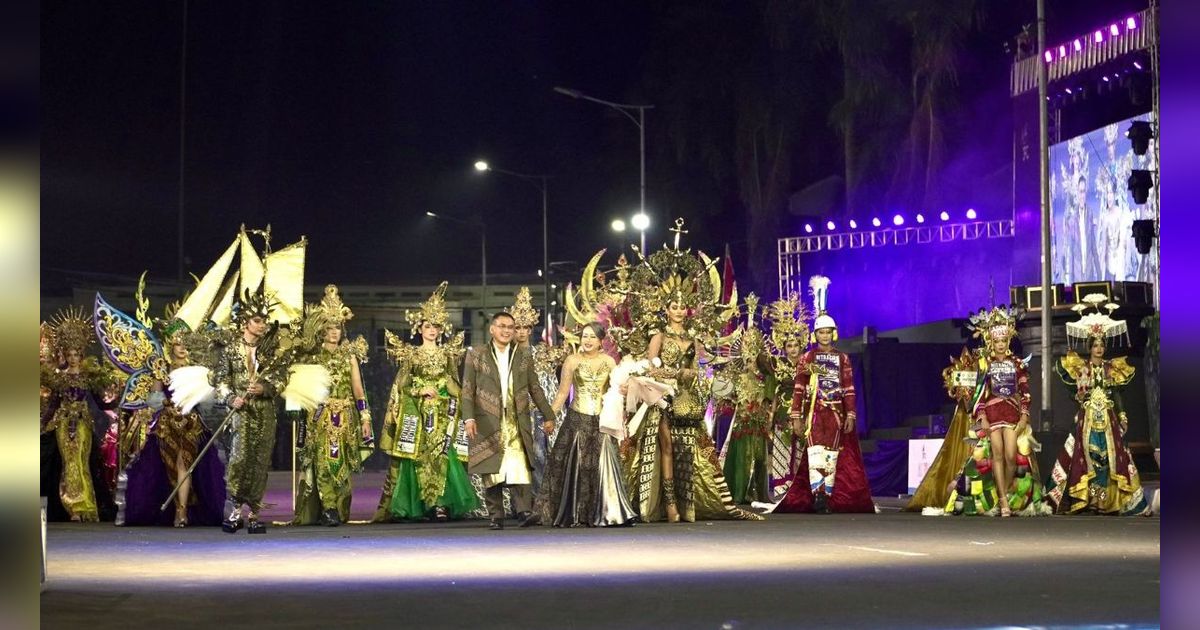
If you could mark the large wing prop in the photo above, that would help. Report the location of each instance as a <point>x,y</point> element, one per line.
<point>133,348</point>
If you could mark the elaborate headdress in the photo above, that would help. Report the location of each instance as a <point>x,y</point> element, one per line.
<point>1096,325</point>
<point>818,287</point>
<point>70,330</point>
<point>331,311</point>
<point>251,304</point>
<point>432,310</point>
<point>522,310</point>
<point>787,322</point>
<point>998,323</point>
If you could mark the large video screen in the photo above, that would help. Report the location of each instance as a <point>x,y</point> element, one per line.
<point>1092,211</point>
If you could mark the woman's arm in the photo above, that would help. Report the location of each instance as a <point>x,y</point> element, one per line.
<point>564,384</point>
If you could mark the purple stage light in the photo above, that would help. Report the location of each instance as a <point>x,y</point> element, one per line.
<point>808,228</point>
<point>876,222</point>
<point>1062,52</point>
<point>1106,78</point>
<point>1130,24</point>
<point>898,220</point>
<point>829,225</point>
<point>1077,45</point>
<point>971,213</point>
<point>1137,65</point>
<point>1069,91</point>
<point>1114,30</point>
<point>853,224</point>
<point>945,215</point>
<point>920,218</point>
<point>1099,36</point>
<point>1049,56</point>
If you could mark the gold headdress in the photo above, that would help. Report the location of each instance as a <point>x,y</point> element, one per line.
<point>432,310</point>
<point>1096,325</point>
<point>522,309</point>
<point>70,330</point>
<point>998,323</point>
<point>331,311</point>
<point>787,322</point>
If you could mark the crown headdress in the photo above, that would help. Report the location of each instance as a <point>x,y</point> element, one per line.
<point>70,330</point>
<point>331,311</point>
<point>432,310</point>
<point>251,304</point>
<point>787,321</point>
<point>1000,323</point>
<point>1097,324</point>
<point>522,310</point>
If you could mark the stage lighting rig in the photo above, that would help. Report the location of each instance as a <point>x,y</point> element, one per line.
<point>1140,183</point>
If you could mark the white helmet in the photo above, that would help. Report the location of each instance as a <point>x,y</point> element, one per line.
<point>824,321</point>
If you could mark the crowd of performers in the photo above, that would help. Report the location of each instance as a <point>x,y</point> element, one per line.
<point>175,424</point>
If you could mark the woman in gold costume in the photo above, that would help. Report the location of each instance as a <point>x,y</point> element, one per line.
<point>422,432</point>
<point>77,390</point>
<point>583,485</point>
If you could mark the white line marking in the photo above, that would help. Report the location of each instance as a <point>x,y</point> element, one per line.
<point>891,551</point>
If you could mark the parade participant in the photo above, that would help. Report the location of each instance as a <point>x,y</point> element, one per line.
<point>247,376</point>
<point>583,484</point>
<point>789,333</point>
<point>172,437</point>
<point>939,481</point>
<point>337,436</point>
<point>823,411</point>
<point>422,432</point>
<point>498,385</point>
<point>745,452</point>
<point>79,390</point>
<point>547,361</point>
<point>1095,471</point>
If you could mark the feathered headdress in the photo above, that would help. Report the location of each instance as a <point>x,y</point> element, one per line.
<point>1096,325</point>
<point>251,304</point>
<point>522,309</point>
<point>70,330</point>
<point>818,288</point>
<point>433,311</point>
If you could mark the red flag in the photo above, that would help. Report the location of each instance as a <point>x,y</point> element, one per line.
<point>728,287</point>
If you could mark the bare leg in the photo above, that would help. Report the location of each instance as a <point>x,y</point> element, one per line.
<point>1000,467</point>
<point>185,490</point>
<point>667,459</point>
<point>1010,457</point>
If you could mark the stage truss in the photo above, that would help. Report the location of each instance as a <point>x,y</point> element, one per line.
<point>791,249</point>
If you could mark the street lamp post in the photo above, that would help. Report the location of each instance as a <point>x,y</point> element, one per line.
<point>640,121</point>
<point>482,250</point>
<point>541,182</point>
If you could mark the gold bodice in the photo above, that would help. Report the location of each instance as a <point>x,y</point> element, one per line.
<point>589,380</point>
<point>677,352</point>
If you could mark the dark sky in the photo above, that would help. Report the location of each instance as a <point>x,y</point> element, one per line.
<point>346,122</point>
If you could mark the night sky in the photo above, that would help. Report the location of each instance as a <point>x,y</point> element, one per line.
<point>346,122</point>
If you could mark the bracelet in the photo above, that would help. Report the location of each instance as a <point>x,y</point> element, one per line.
<point>360,404</point>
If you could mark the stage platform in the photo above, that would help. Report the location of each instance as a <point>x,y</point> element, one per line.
<point>890,570</point>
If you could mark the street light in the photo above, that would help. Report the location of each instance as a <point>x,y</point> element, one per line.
<point>539,181</point>
<point>618,225</point>
<point>482,248</point>
<point>641,222</point>
<point>640,121</point>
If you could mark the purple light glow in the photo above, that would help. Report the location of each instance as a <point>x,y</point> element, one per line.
<point>898,220</point>
<point>853,224</point>
<point>830,226</point>
<point>920,218</point>
<point>945,215</point>
<point>808,228</point>
<point>1137,65</point>
<point>1106,78</point>
<point>1114,30</point>
<point>1049,56</point>
<point>1069,91</point>
<point>1062,52</point>
<point>876,222</point>
<point>1077,45</point>
<point>1130,23</point>
<point>971,213</point>
<point>1099,37</point>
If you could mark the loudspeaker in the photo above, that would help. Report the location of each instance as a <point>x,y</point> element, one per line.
<point>1030,298</point>
<point>1084,289</point>
<point>1134,293</point>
